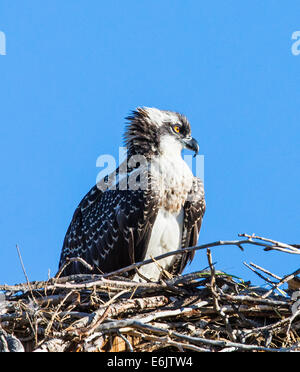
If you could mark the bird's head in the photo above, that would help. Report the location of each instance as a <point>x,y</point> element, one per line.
<point>151,131</point>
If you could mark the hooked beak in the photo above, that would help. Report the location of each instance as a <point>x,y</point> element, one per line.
<point>191,144</point>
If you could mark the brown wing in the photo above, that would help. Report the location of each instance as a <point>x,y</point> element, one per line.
<point>194,209</point>
<point>109,230</point>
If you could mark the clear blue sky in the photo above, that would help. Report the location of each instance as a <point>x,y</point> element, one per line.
<point>74,69</point>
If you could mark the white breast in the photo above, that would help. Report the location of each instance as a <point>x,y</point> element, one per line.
<point>165,237</point>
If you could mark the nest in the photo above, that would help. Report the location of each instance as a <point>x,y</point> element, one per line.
<point>207,310</point>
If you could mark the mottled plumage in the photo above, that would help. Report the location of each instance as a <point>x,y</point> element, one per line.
<point>114,228</point>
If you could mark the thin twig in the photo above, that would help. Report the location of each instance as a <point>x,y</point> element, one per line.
<point>23,267</point>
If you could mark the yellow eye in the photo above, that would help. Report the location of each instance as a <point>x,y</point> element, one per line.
<point>177,128</point>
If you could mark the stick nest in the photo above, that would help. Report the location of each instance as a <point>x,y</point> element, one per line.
<point>206,310</point>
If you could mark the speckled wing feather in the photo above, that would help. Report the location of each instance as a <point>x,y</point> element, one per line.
<point>194,209</point>
<point>110,230</point>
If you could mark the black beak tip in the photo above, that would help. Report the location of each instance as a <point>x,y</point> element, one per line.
<point>196,150</point>
<point>195,147</point>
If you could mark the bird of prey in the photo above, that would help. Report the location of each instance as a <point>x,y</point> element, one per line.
<point>117,226</point>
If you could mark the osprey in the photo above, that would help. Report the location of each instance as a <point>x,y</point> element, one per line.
<point>117,226</point>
